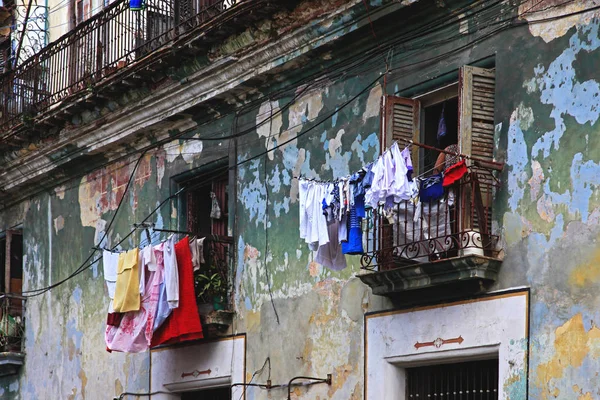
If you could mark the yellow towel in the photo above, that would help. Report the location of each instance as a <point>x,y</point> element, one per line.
<point>127,290</point>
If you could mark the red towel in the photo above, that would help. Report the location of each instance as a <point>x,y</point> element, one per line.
<point>454,172</point>
<point>184,322</point>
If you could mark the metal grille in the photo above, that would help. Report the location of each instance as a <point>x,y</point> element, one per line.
<point>476,380</point>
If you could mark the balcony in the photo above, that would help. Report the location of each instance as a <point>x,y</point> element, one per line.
<point>212,285</point>
<point>12,333</point>
<point>113,47</point>
<point>436,249</point>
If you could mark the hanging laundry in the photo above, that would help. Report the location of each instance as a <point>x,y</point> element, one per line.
<point>171,275</point>
<point>354,244</point>
<point>408,161</point>
<point>454,173</point>
<point>215,211</point>
<point>110,263</point>
<point>313,223</point>
<point>431,188</point>
<point>184,322</point>
<point>127,288</point>
<point>130,334</point>
<point>197,249</point>
<point>390,183</point>
<point>162,309</point>
<point>330,254</point>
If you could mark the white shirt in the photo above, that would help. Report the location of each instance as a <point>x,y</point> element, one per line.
<point>171,273</point>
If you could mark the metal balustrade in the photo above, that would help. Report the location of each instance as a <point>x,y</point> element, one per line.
<point>97,48</point>
<point>458,224</point>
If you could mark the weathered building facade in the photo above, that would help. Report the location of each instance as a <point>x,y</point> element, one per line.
<point>251,96</point>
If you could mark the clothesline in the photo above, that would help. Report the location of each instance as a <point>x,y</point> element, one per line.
<point>492,164</point>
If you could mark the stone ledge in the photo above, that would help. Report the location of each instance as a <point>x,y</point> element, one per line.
<point>10,363</point>
<point>445,272</point>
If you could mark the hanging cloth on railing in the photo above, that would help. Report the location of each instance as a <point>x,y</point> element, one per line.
<point>215,211</point>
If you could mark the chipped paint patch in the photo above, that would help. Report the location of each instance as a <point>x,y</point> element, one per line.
<point>373,103</point>
<point>535,11</point>
<point>59,223</point>
<point>572,345</point>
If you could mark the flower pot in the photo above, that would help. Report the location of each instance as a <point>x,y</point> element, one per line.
<point>219,302</point>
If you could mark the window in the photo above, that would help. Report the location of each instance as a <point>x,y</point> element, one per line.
<point>208,394</point>
<point>11,262</point>
<point>475,380</point>
<point>469,113</point>
<point>200,204</point>
<point>207,216</point>
<point>459,223</point>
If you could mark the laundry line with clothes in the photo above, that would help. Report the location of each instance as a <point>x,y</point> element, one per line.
<point>152,296</point>
<point>331,212</point>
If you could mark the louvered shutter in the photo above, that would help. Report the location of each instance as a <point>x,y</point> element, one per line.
<point>476,119</point>
<point>476,138</point>
<point>402,123</point>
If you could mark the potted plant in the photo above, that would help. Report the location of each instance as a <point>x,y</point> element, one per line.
<point>211,288</point>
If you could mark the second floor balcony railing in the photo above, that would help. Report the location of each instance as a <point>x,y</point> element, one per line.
<point>95,49</point>
<point>458,224</point>
<point>12,323</point>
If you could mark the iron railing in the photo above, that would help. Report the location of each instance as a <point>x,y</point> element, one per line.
<point>95,49</point>
<point>457,224</point>
<point>217,259</point>
<point>12,323</point>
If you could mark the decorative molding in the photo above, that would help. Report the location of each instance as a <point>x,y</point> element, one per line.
<point>439,342</point>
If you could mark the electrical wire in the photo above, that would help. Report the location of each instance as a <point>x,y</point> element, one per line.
<point>82,267</point>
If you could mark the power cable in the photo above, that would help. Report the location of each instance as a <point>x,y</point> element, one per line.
<point>83,267</point>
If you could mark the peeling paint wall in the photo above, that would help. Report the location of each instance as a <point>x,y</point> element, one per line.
<point>307,319</point>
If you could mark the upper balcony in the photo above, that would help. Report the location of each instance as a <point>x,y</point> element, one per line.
<point>116,42</point>
<point>12,333</point>
<point>442,247</point>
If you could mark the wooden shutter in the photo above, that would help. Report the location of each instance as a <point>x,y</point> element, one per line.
<point>402,122</point>
<point>476,112</point>
<point>476,138</point>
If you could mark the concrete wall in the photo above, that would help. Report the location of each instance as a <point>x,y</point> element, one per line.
<point>309,320</point>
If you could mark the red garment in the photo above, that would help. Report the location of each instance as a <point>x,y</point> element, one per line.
<point>114,319</point>
<point>184,322</point>
<point>454,172</point>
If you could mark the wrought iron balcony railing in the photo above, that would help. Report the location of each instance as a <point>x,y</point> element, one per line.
<point>458,224</point>
<point>95,49</point>
<point>12,323</point>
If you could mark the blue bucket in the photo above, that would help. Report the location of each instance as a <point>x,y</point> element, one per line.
<point>136,5</point>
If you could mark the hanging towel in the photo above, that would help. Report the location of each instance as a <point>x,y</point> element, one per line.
<point>127,288</point>
<point>330,255</point>
<point>184,322</point>
<point>454,173</point>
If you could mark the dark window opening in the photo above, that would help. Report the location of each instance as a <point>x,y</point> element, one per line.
<point>431,118</point>
<point>11,267</point>
<point>207,216</point>
<point>475,380</point>
<point>208,394</point>
<point>200,204</point>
